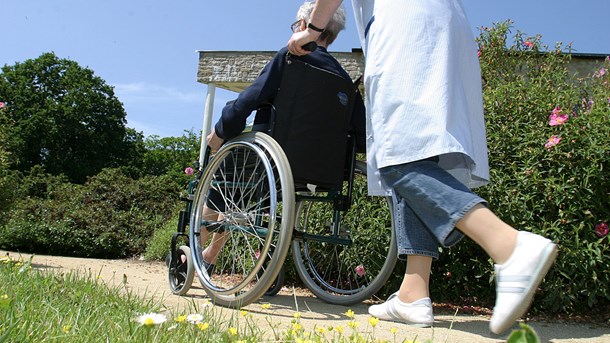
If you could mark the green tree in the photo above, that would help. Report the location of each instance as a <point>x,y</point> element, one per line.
<point>4,154</point>
<point>6,193</point>
<point>63,118</point>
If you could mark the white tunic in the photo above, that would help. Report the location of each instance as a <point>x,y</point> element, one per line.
<point>423,88</point>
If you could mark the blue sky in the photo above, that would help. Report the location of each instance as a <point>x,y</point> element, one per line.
<point>147,49</point>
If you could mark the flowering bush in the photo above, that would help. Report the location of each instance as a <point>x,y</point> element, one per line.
<point>550,160</point>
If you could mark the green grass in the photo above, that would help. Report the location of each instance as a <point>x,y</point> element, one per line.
<point>43,306</point>
<point>38,305</point>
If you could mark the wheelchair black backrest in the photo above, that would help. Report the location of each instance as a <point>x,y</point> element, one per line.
<point>312,117</point>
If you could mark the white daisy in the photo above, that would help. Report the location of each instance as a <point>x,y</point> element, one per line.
<point>150,319</point>
<point>194,318</point>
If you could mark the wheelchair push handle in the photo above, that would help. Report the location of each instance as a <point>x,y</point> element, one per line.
<point>311,46</point>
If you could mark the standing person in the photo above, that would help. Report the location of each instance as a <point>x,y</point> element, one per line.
<point>263,90</point>
<point>426,145</point>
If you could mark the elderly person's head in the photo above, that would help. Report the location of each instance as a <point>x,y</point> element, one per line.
<point>332,29</point>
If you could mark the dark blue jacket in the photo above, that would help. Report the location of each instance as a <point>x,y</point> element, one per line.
<point>233,119</point>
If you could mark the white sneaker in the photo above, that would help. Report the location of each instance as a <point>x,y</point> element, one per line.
<point>518,278</point>
<point>417,313</point>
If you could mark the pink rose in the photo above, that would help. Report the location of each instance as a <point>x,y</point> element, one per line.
<point>557,119</point>
<point>2,104</point>
<point>601,72</point>
<point>188,171</point>
<point>601,230</point>
<point>554,140</point>
<point>360,270</point>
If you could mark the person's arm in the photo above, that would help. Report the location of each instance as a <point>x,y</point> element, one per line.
<point>320,16</point>
<point>235,113</point>
<point>214,142</point>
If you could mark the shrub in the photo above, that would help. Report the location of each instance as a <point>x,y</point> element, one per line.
<point>549,158</point>
<point>159,245</point>
<point>111,216</point>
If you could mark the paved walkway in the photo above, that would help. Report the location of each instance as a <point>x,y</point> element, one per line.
<point>150,279</point>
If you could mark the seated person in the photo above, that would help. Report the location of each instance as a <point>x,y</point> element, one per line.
<point>263,90</point>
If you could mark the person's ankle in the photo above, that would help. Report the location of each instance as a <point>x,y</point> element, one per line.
<point>411,297</point>
<point>205,257</point>
<point>503,254</point>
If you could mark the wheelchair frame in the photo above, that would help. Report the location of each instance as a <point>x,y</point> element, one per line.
<point>330,258</point>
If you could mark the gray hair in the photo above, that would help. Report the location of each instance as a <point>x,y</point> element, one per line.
<point>334,26</point>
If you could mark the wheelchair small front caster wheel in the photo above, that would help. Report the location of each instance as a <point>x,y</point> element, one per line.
<point>181,271</point>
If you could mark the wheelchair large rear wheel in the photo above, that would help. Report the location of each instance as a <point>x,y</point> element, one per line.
<point>345,257</point>
<point>245,204</point>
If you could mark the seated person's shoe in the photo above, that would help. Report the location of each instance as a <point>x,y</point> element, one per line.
<point>209,267</point>
<point>417,313</point>
<point>518,278</point>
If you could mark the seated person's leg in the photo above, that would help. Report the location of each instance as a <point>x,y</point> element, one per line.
<point>213,212</point>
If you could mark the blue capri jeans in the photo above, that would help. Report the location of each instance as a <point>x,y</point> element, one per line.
<point>428,202</point>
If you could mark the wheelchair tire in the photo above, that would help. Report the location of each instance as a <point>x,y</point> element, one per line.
<point>355,265</point>
<point>181,272</point>
<point>245,199</point>
<point>276,285</point>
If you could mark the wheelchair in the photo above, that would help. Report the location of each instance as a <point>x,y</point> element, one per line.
<point>295,184</point>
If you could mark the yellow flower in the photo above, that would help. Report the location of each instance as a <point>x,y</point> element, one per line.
<point>181,319</point>
<point>66,328</point>
<point>5,301</point>
<point>296,315</point>
<point>266,306</point>
<point>321,330</point>
<point>373,321</point>
<point>203,326</point>
<point>340,329</point>
<point>349,313</point>
<point>353,324</point>
<point>393,330</point>
<point>243,313</point>
<point>233,331</point>
<point>297,326</point>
